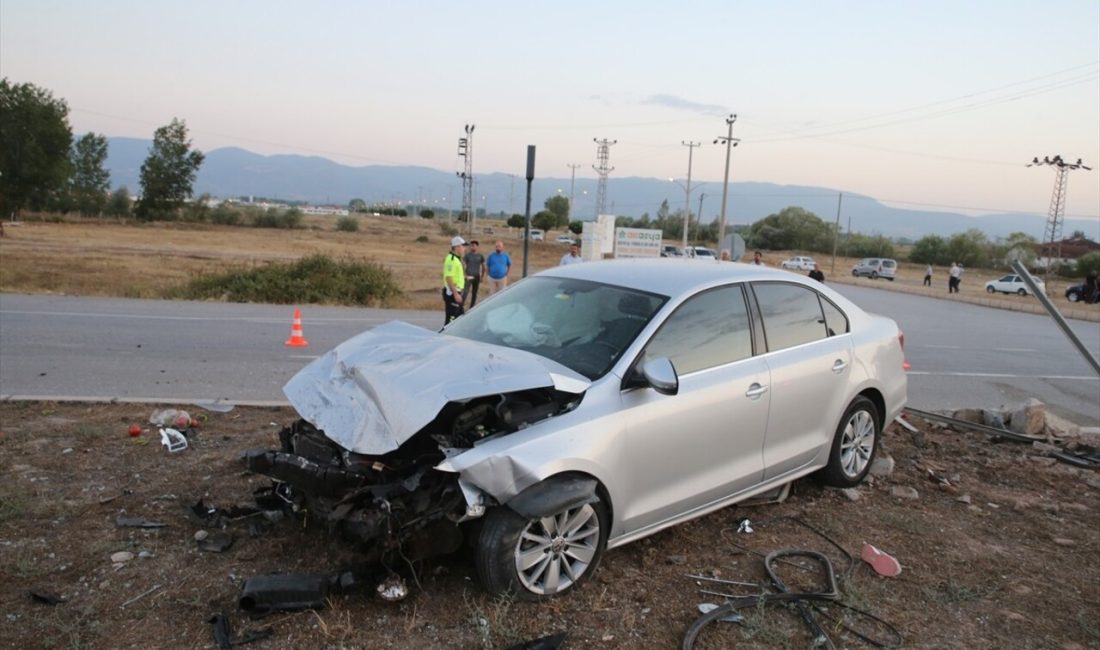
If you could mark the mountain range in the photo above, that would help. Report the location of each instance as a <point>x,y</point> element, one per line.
<point>231,172</point>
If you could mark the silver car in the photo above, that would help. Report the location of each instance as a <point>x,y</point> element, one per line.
<point>586,407</point>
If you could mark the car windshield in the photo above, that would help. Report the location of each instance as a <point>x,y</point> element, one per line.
<point>583,325</point>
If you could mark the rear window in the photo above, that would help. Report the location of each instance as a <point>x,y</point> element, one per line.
<point>889,263</point>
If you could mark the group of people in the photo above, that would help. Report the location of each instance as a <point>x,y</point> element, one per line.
<point>464,270</point>
<point>954,277</point>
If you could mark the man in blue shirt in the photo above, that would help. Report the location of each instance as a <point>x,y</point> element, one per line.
<point>498,264</point>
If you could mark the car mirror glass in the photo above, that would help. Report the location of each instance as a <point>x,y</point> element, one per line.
<point>661,375</point>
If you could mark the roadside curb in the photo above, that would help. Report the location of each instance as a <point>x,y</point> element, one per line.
<point>100,399</point>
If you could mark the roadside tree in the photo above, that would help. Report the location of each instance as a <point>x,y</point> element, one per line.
<point>970,248</point>
<point>168,173</point>
<point>357,205</point>
<point>35,138</point>
<point>576,227</point>
<point>517,221</point>
<point>426,214</point>
<point>930,249</point>
<point>544,220</point>
<point>90,182</point>
<point>119,203</point>
<point>559,205</point>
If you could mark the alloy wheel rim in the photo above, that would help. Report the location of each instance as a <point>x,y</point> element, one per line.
<point>857,443</point>
<point>553,552</point>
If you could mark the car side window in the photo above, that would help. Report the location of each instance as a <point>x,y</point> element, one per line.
<point>791,313</point>
<point>835,320</point>
<point>709,329</point>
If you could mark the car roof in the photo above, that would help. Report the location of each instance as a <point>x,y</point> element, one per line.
<point>667,276</point>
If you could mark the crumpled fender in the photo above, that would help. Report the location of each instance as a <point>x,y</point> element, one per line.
<point>553,496</point>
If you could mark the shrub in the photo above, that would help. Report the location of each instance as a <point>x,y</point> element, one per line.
<point>313,279</point>
<point>422,239</point>
<point>347,224</point>
<point>1085,264</point>
<point>223,215</point>
<point>273,218</point>
<point>447,229</point>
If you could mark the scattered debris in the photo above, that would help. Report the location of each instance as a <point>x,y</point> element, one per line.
<point>265,594</point>
<point>771,497</point>
<point>139,596</point>
<point>216,542</point>
<point>172,418</point>
<point>122,557</point>
<point>904,492</point>
<point>45,597</point>
<point>173,440</point>
<point>223,635</point>
<point>215,406</point>
<point>135,430</point>
<point>744,526</point>
<point>905,425</point>
<point>393,589</point>
<point>852,494</point>
<point>883,465</point>
<point>550,642</point>
<point>884,564</point>
<point>123,521</point>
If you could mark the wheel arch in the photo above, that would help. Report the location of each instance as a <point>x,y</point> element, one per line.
<point>558,492</point>
<point>879,401</point>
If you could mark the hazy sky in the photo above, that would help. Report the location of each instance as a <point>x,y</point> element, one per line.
<point>933,104</point>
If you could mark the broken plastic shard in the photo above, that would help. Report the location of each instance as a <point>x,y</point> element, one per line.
<point>393,589</point>
<point>745,526</point>
<point>884,564</point>
<point>173,440</point>
<point>707,608</point>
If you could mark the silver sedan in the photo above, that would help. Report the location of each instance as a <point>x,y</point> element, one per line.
<point>584,408</point>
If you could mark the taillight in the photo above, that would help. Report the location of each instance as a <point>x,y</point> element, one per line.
<point>901,339</point>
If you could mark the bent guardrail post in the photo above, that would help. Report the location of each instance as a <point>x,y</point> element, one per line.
<point>1056,315</point>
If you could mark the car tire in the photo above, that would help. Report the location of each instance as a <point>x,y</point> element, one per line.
<point>874,275</point>
<point>1021,292</point>
<point>890,279</point>
<point>559,551</point>
<point>854,444</point>
<point>1073,296</point>
<point>990,289</point>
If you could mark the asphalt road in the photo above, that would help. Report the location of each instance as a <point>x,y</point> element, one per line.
<point>64,347</point>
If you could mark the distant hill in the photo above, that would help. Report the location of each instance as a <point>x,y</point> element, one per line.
<point>233,172</point>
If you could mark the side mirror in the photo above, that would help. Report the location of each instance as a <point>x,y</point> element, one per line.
<point>661,375</point>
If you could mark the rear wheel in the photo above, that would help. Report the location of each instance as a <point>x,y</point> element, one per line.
<point>535,559</point>
<point>1073,296</point>
<point>1022,292</point>
<point>874,275</point>
<point>854,444</point>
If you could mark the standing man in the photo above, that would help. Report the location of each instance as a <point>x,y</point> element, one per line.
<point>498,265</point>
<point>573,256</point>
<point>454,280</point>
<point>475,270</point>
<point>817,274</point>
<point>758,259</point>
<point>928,276</point>
<point>953,277</point>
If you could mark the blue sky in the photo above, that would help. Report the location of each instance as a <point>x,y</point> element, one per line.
<point>931,104</point>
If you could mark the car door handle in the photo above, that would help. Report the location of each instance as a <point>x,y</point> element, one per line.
<point>839,365</point>
<point>755,391</point>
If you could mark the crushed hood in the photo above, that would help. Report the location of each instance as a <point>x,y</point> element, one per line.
<point>374,391</point>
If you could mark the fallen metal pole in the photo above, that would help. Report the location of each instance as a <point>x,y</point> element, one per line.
<point>974,426</point>
<point>1056,315</point>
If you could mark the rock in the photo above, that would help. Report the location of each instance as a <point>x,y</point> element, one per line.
<point>1028,418</point>
<point>122,557</point>
<point>1014,616</point>
<point>1043,461</point>
<point>1021,590</point>
<point>904,492</point>
<point>1072,645</point>
<point>974,509</point>
<point>1060,427</point>
<point>676,559</point>
<point>969,415</point>
<point>201,535</point>
<point>852,494</point>
<point>882,466</point>
<point>1093,483</point>
<point>1062,541</point>
<point>948,488</point>
<point>145,555</point>
<point>964,499</point>
<point>991,418</point>
<point>1079,508</point>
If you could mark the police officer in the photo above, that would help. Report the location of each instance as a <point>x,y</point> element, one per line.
<point>454,280</point>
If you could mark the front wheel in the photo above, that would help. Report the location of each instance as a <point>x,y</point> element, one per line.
<point>874,275</point>
<point>990,290</point>
<point>1073,296</point>
<point>1022,292</point>
<point>854,444</point>
<point>535,559</point>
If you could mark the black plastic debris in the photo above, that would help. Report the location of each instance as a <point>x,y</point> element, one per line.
<point>45,597</point>
<point>216,542</point>
<point>550,642</point>
<point>124,521</point>
<point>265,594</point>
<point>223,635</point>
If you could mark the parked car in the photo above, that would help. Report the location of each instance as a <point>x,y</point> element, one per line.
<point>670,251</point>
<point>701,252</point>
<point>1077,293</point>
<point>568,240</point>
<point>535,235</point>
<point>875,268</point>
<point>586,407</point>
<point>799,263</point>
<point>1012,284</point>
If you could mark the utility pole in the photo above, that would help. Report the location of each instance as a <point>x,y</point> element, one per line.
<point>512,196</point>
<point>731,142</point>
<point>572,184</point>
<point>836,232</point>
<point>527,212</point>
<point>699,214</point>
<point>603,168</point>
<point>687,190</point>
<point>466,150</point>
<point>1052,235</point>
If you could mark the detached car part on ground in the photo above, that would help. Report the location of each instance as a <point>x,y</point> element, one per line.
<point>584,408</point>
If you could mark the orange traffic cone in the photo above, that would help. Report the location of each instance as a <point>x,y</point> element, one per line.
<point>296,339</point>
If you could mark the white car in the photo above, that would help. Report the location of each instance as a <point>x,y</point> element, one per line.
<point>799,264</point>
<point>568,240</point>
<point>701,253</point>
<point>586,407</point>
<point>1012,284</point>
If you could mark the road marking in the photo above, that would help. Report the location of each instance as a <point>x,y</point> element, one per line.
<point>235,319</point>
<point>997,375</point>
<point>304,356</point>
<point>940,347</point>
<point>1014,350</point>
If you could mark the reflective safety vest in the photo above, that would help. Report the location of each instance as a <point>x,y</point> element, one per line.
<point>452,268</point>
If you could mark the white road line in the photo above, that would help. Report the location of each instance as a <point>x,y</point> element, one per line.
<point>940,347</point>
<point>1014,350</point>
<point>235,319</point>
<point>997,375</point>
<point>310,357</point>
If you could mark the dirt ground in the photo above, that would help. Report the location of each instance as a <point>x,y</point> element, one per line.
<point>1013,568</point>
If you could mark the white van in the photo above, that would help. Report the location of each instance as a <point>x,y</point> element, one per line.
<point>536,235</point>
